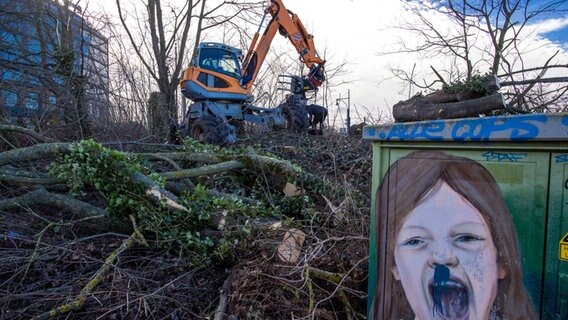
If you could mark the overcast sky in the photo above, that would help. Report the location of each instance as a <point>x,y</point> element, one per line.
<point>355,31</point>
<point>358,31</point>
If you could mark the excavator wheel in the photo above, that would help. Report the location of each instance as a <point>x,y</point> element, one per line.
<point>209,129</point>
<point>295,118</point>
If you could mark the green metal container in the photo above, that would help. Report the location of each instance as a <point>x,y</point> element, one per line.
<point>528,157</point>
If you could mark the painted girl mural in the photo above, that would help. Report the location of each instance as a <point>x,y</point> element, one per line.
<point>446,243</point>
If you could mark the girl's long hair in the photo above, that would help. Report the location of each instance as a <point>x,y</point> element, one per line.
<point>405,184</point>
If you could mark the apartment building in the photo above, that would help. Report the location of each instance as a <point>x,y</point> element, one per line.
<point>53,63</point>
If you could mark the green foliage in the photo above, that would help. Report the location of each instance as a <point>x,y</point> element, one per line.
<point>90,164</point>
<point>252,180</point>
<point>191,145</point>
<point>297,206</point>
<point>223,250</point>
<point>180,229</point>
<point>477,85</point>
<point>108,171</point>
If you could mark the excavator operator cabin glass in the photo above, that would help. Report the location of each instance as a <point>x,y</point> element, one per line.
<point>220,60</point>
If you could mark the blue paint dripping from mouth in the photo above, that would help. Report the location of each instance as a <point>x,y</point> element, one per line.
<point>441,276</point>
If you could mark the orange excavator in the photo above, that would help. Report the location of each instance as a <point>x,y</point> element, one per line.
<point>219,81</point>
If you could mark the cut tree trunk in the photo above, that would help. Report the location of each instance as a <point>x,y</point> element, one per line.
<point>420,108</point>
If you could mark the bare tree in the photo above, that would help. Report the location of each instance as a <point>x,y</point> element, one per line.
<point>129,89</point>
<point>485,36</point>
<point>160,37</point>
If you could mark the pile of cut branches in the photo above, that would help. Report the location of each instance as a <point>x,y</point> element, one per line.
<point>275,229</point>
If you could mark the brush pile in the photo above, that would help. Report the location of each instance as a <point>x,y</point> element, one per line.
<point>273,227</point>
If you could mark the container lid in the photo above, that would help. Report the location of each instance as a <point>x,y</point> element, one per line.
<point>529,127</point>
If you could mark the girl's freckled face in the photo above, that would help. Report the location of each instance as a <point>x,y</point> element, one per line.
<point>445,229</point>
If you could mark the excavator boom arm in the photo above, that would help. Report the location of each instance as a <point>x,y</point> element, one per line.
<point>290,26</point>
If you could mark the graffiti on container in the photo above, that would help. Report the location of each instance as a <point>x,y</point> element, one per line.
<point>524,127</point>
<point>481,129</point>
<point>561,158</point>
<point>428,131</point>
<point>504,156</point>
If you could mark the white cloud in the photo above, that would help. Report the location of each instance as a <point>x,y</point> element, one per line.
<point>549,25</point>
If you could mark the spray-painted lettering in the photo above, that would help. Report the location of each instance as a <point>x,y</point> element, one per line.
<point>504,156</point>
<point>429,131</point>
<point>561,158</point>
<point>482,129</point>
<point>514,128</point>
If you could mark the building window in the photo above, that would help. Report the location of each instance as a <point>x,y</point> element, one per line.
<point>9,98</point>
<point>51,100</point>
<point>31,101</point>
<point>34,46</point>
<point>12,75</point>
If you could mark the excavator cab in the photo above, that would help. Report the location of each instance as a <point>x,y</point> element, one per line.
<point>214,74</point>
<point>219,58</point>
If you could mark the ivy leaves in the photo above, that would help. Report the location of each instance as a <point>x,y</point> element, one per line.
<point>89,165</point>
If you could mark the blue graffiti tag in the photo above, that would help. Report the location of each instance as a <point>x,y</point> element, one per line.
<point>481,129</point>
<point>504,157</point>
<point>561,158</point>
<point>471,129</point>
<point>430,131</point>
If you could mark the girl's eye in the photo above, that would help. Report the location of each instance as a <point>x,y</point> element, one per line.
<point>413,242</point>
<point>468,238</point>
